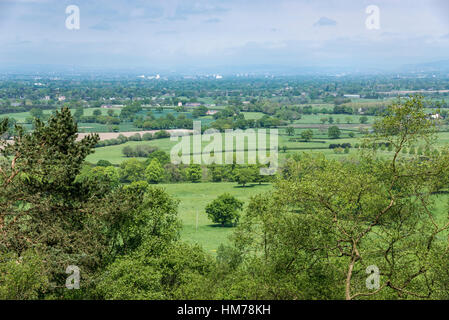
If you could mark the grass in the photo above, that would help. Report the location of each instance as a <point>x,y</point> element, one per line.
<point>197,228</point>
<point>193,199</point>
<point>114,153</point>
<point>320,143</point>
<point>252,115</point>
<point>316,119</point>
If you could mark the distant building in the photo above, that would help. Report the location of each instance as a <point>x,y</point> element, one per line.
<point>211,112</point>
<point>193,104</point>
<point>107,106</point>
<point>436,116</point>
<point>46,98</point>
<point>61,98</point>
<point>354,96</point>
<point>179,104</point>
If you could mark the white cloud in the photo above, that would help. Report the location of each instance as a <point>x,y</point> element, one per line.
<point>263,31</point>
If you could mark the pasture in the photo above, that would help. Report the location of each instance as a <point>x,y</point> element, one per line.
<point>193,199</point>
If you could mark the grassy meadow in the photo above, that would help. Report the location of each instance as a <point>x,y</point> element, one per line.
<point>193,199</point>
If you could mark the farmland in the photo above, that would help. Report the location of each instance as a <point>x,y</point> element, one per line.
<point>151,216</point>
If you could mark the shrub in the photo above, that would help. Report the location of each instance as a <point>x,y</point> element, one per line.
<point>147,136</point>
<point>161,134</point>
<point>338,150</point>
<point>103,163</point>
<point>135,137</point>
<point>142,151</point>
<point>122,138</point>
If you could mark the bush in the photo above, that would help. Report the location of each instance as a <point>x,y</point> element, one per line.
<point>338,150</point>
<point>135,137</point>
<point>122,138</point>
<point>100,144</point>
<point>160,155</point>
<point>193,173</point>
<point>104,163</point>
<point>23,278</point>
<point>147,136</point>
<point>161,134</point>
<point>342,146</point>
<point>141,151</point>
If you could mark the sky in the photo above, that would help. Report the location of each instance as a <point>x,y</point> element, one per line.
<point>207,34</point>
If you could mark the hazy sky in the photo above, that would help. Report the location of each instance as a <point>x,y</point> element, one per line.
<point>207,33</point>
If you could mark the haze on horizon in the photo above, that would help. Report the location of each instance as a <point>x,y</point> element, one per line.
<point>182,34</point>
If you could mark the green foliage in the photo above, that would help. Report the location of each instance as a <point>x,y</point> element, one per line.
<point>244,175</point>
<point>104,163</point>
<point>160,155</point>
<point>153,219</point>
<point>193,173</point>
<point>290,131</point>
<point>307,135</point>
<point>100,179</point>
<point>22,277</point>
<point>199,112</point>
<point>224,210</point>
<point>363,119</point>
<point>154,171</point>
<point>326,216</point>
<point>334,132</point>
<point>141,151</point>
<point>79,112</point>
<point>147,136</point>
<point>45,208</point>
<point>178,271</point>
<point>131,170</point>
<point>37,113</point>
<point>216,173</point>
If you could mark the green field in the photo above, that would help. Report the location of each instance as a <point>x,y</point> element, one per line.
<point>339,119</point>
<point>252,115</point>
<point>319,143</point>
<point>193,199</point>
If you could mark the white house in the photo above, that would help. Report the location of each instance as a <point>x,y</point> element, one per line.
<point>436,116</point>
